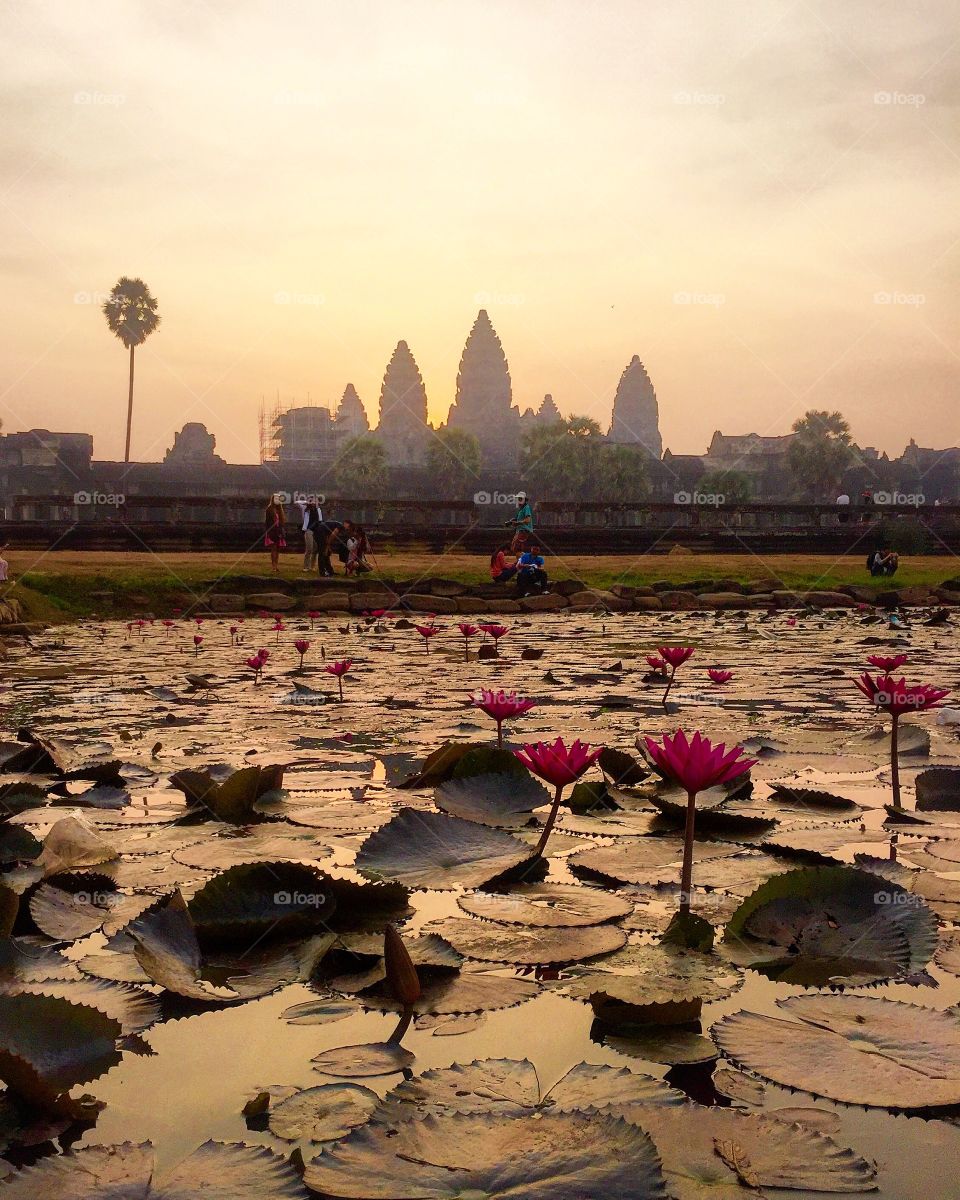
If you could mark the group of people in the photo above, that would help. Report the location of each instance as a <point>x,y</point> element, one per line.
<point>519,559</point>
<point>322,539</point>
<point>526,564</point>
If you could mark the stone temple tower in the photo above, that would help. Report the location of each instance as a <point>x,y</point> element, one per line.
<point>403,427</point>
<point>484,403</point>
<point>636,416</point>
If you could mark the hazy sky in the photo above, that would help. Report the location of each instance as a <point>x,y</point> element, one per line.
<point>579,169</point>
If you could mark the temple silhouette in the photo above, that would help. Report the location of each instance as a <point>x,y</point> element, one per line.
<point>300,444</point>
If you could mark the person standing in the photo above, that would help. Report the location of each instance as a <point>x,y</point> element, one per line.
<point>274,537</point>
<point>522,521</point>
<point>312,519</point>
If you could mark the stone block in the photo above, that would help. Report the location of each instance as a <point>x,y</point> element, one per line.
<point>272,601</point>
<point>551,602</point>
<point>226,602</point>
<point>417,602</point>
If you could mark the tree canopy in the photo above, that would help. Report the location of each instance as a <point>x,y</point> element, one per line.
<point>820,452</point>
<point>361,468</point>
<point>453,461</point>
<point>571,460</point>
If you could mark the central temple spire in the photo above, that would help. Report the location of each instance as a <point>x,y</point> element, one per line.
<point>484,403</point>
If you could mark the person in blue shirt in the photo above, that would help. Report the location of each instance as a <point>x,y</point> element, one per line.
<point>522,521</point>
<point>531,576</point>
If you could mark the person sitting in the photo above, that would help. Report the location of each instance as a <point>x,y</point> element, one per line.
<point>531,576</point>
<point>358,547</point>
<point>883,562</point>
<point>501,571</point>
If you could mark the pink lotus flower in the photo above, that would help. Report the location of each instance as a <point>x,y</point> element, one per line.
<point>656,663</point>
<point>896,697</point>
<point>695,764</point>
<point>233,634</point>
<point>496,632</point>
<point>313,615</point>
<point>339,669</point>
<point>720,678</point>
<point>263,655</point>
<point>501,706</point>
<point>791,621</point>
<point>167,625</point>
<point>886,663</point>
<point>674,657</point>
<point>278,628</point>
<point>558,765</point>
<point>301,645</point>
<point>468,631</point>
<point>199,620</point>
<point>427,632</point>
<point>196,643</point>
<point>256,664</point>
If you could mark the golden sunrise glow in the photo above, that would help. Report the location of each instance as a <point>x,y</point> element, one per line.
<point>759,199</point>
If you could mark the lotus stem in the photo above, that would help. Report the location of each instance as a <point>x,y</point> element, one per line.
<point>340,685</point>
<point>500,735</point>
<point>551,821</point>
<point>686,871</point>
<point>403,1025</point>
<point>666,693</point>
<point>895,760</point>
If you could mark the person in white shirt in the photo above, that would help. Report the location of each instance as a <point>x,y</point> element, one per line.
<point>310,526</point>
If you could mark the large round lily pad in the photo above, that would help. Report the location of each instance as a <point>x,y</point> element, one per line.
<point>530,945</point>
<point>560,1155</point>
<point>713,1153</point>
<point>433,850</point>
<point>323,1113</point>
<point>831,925</point>
<point>215,1170</point>
<point>642,975</point>
<point>858,1049</point>
<point>506,800</point>
<point>546,904</point>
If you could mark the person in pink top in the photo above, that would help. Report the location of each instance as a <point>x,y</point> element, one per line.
<point>502,570</point>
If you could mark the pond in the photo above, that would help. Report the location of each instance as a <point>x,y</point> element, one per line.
<point>511,967</point>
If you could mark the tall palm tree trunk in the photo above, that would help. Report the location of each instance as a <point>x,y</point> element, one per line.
<point>126,452</point>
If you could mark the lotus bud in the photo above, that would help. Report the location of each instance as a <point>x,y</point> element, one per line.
<point>402,977</point>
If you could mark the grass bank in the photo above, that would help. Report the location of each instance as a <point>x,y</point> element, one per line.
<point>66,584</point>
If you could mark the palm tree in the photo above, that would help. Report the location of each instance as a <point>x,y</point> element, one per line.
<point>131,313</point>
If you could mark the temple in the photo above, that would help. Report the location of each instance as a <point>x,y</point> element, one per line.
<point>636,416</point>
<point>484,401</point>
<point>403,426</point>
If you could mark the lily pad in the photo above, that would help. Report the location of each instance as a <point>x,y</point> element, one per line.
<point>360,1062</point>
<point>323,1113</point>
<point>547,905</point>
<point>433,850</point>
<point>505,801</point>
<point>831,925</point>
<point>856,1049</point>
<point>655,976</point>
<point>167,949</point>
<point>216,1171</point>
<point>48,1045</point>
<point>530,945</point>
<point>711,1153</point>
<point>561,1155</point>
